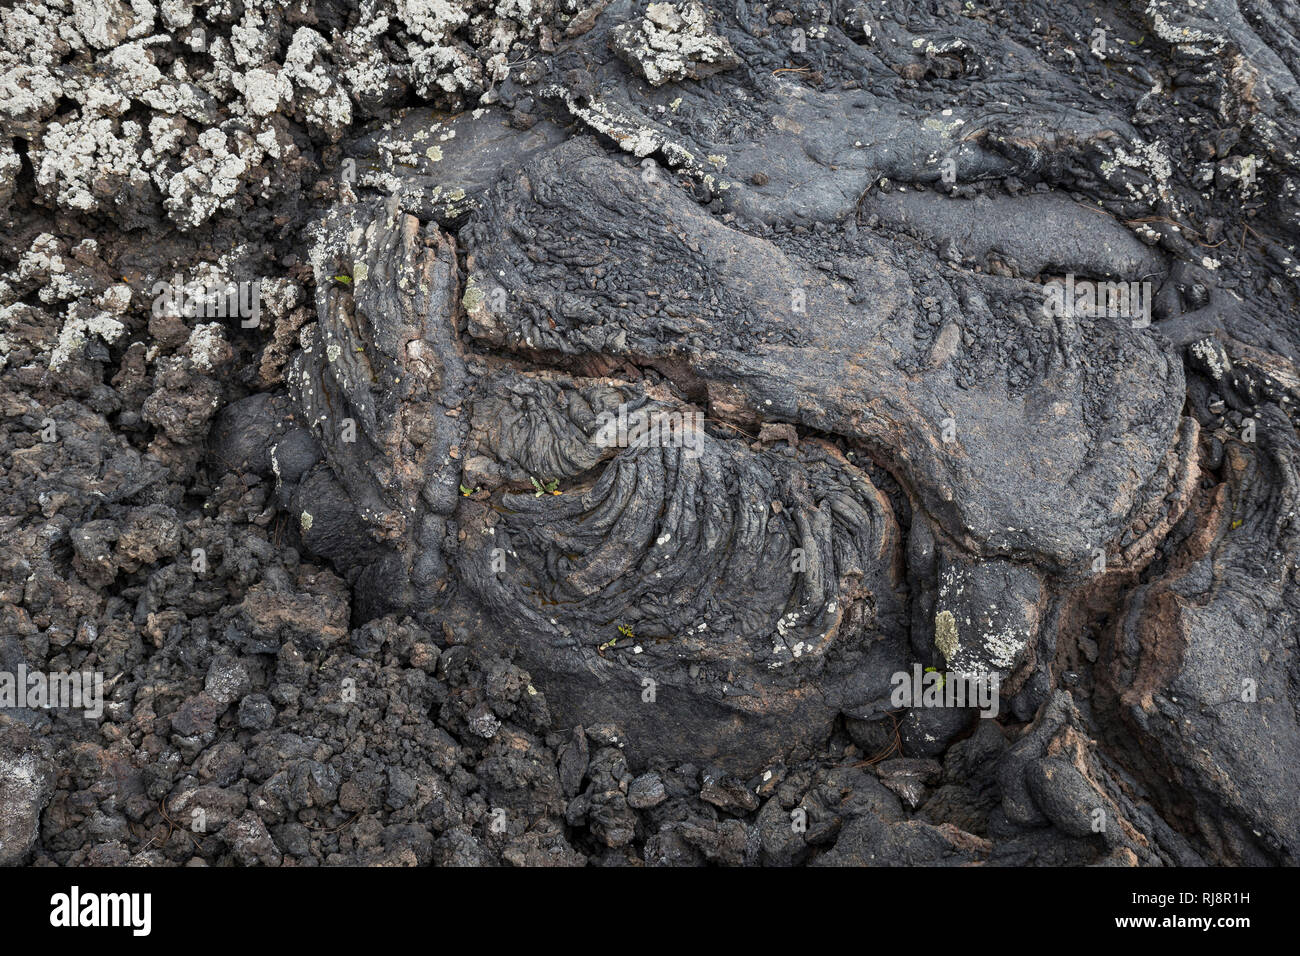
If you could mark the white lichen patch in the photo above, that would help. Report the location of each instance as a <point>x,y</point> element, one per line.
<point>206,345</point>
<point>75,333</point>
<point>673,42</point>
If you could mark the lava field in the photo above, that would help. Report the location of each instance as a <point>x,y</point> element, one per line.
<point>611,433</point>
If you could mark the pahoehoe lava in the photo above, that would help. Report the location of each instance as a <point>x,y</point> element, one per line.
<point>626,401</point>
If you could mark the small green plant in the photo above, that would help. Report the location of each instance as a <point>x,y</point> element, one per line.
<point>342,279</point>
<point>626,631</point>
<point>467,491</point>
<point>935,670</point>
<point>549,487</point>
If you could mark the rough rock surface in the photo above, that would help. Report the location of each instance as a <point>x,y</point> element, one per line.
<point>624,396</point>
